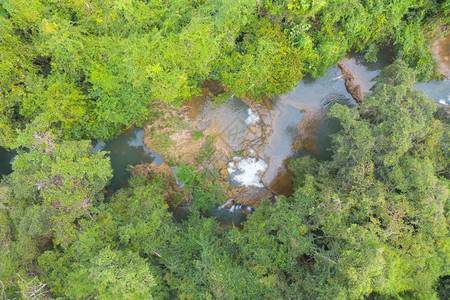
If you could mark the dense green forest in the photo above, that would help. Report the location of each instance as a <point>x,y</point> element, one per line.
<point>371,222</point>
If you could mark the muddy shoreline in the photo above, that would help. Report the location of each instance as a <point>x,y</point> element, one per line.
<point>441,51</point>
<point>248,133</point>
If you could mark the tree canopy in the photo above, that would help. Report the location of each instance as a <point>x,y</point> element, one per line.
<point>371,222</point>
<point>87,68</point>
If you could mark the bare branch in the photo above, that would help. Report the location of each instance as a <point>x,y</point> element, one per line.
<point>324,257</point>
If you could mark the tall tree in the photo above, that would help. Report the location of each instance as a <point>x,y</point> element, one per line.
<point>377,209</point>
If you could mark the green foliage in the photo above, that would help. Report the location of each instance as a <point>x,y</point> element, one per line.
<point>111,274</point>
<point>87,68</point>
<point>187,175</point>
<point>204,193</point>
<point>371,53</point>
<point>222,98</point>
<point>369,223</point>
<point>377,209</point>
<point>197,134</point>
<point>56,183</point>
<point>111,254</point>
<point>259,66</point>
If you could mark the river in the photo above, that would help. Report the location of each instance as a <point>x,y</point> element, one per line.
<point>125,150</point>
<point>306,105</point>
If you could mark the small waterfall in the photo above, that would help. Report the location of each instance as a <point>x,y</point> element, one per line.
<point>445,102</point>
<point>252,117</point>
<point>246,171</point>
<point>229,201</point>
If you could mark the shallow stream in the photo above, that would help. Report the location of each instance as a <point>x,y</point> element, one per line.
<point>306,105</point>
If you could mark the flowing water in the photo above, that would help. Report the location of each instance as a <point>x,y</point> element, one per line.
<point>234,118</point>
<point>233,216</point>
<point>364,71</point>
<point>437,90</point>
<point>306,105</point>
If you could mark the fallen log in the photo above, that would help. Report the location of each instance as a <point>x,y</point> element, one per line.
<point>352,88</point>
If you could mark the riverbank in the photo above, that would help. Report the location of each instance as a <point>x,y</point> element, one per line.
<point>250,144</point>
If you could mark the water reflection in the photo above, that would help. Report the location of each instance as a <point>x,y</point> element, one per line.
<point>364,71</point>
<point>233,116</point>
<point>6,159</point>
<point>127,149</point>
<point>299,128</point>
<point>437,90</point>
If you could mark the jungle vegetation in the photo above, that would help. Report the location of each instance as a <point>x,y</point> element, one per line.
<point>371,222</point>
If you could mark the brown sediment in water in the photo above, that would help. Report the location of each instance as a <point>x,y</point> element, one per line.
<point>441,50</point>
<point>194,106</point>
<point>214,87</point>
<point>210,89</point>
<point>252,196</point>
<point>282,184</point>
<point>353,89</point>
<point>307,132</point>
<point>171,134</point>
<point>263,138</point>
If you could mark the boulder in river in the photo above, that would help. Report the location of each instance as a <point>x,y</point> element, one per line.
<point>253,195</point>
<point>352,88</point>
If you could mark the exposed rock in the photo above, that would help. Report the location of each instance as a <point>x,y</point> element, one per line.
<point>297,145</point>
<point>222,149</point>
<point>441,50</point>
<point>353,89</point>
<point>250,152</point>
<point>257,135</point>
<point>246,211</point>
<point>170,132</point>
<point>201,125</point>
<point>224,173</point>
<point>185,146</point>
<point>252,195</point>
<point>229,204</point>
<point>249,102</point>
<point>253,132</point>
<point>237,191</point>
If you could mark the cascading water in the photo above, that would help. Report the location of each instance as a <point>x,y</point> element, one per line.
<point>246,171</point>
<point>306,105</point>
